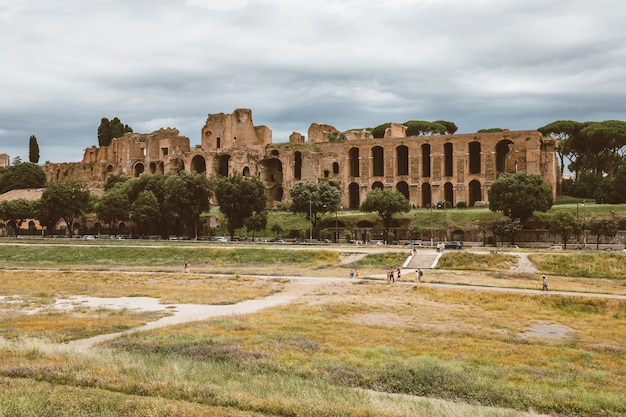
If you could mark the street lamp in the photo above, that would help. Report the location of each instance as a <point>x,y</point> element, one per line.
<point>310,221</point>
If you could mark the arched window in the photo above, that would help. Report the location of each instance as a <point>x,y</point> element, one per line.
<point>448,193</point>
<point>448,159</point>
<point>378,186</point>
<point>297,168</point>
<point>474,158</point>
<point>426,160</point>
<point>198,164</point>
<point>355,195</point>
<point>426,195</point>
<point>475,192</point>
<point>353,154</point>
<point>403,188</point>
<point>335,168</point>
<point>402,160</point>
<point>139,169</point>
<point>378,161</point>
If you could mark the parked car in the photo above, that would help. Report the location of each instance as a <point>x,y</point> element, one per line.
<point>430,244</point>
<point>510,247</point>
<point>414,244</point>
<point>453,244</point>
<point>221,239</point>
<point>556,247</point>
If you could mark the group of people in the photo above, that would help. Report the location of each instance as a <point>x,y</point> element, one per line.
<point>354,273</point>
<point>393,274</point>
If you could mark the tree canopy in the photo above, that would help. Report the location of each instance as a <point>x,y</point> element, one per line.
<point>16,211</point>
<point>24,175</point>
<point>110,129</point>
<point>518,195</point>
<point>385,203</point>
<point>565,225</point>
<point>33,150</point>
<point>239,198</point>
<point>314,199</point>
<point>63,199</point>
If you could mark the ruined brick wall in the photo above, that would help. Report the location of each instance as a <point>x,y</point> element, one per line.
<point>426,169</point>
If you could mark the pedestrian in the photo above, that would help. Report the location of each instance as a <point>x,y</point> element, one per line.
<point>392,274</point>
<point>418,275</point>
<point>187,268</point>
<point>399,275</point>
<point>545,283</point>
<point>352,273</point>
<point>356,273</point>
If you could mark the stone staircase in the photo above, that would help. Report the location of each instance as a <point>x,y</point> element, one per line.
<point>423,259</point>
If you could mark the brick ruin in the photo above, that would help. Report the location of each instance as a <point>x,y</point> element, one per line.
<point>426,169</point>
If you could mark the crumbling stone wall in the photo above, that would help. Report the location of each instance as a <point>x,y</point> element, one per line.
<point>426,169</point>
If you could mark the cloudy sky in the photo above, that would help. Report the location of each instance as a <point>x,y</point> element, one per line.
<point>517,64</point>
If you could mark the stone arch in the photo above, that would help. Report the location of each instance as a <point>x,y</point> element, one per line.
<point>377,185</point>
<point>275,153</point>
<point>223,162</point>
<point>427,199</point>
<point>354,157</point>
<point>139,169</point>
<point>448,193</point>
<point>378,161</point>
<point>276,194</point>
<point>426,160</point>
<point>402,160</point>
<point>31,228</point>
<point>505,157</point>
<point>474,157</point>
<point>475,192</point>
<point>246,171</point>
<point>354,195</point>
<point>198,164</point>
<point>403,188</point>
<point>272,172</point>
<point>153,167</point>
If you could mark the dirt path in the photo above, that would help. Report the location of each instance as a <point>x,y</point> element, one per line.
<point>184,313</point>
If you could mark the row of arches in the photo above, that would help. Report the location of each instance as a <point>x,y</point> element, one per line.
<point>474,151</point>
<point>424,198</point>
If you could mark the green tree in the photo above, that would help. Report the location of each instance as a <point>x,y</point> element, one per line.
<point>109,130</point>
<point>424,128</point>
<point>564,131</point>
<point>256,222</point>
<point>114,180</point>
<point>144,211</point>
<point>23,176</point>
<point>239,197</point>
<point>378,132</point>
<point>277,229</point>
<point>602,227</point>
<point>518,195</point>
<point>506,227</point>
<point>451,127</point>
<point>186,197</point>
<point>33,150</point>
<point>385,203</point>
<point>113,207</point>
<point>64,199</point>
<point>155,183</point>
<point>565,225</point>
<point>314,199</point>
<point>17,211</point>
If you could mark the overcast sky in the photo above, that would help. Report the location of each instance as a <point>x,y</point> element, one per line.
<point>517,64</point>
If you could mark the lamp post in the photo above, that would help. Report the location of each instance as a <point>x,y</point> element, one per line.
<point>336,226</point>
<point>310,220</point>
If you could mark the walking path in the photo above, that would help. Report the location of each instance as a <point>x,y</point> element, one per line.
<point>296,288</point>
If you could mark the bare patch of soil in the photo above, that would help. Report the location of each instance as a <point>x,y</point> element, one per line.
<point>547,330</point>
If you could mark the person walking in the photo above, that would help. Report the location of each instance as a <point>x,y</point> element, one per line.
<point>418,275</point>
<point>399,275</point>
<point>356,273</point>
<point>545,283</point>
<point>392,274</point>
<point>351,273</point>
